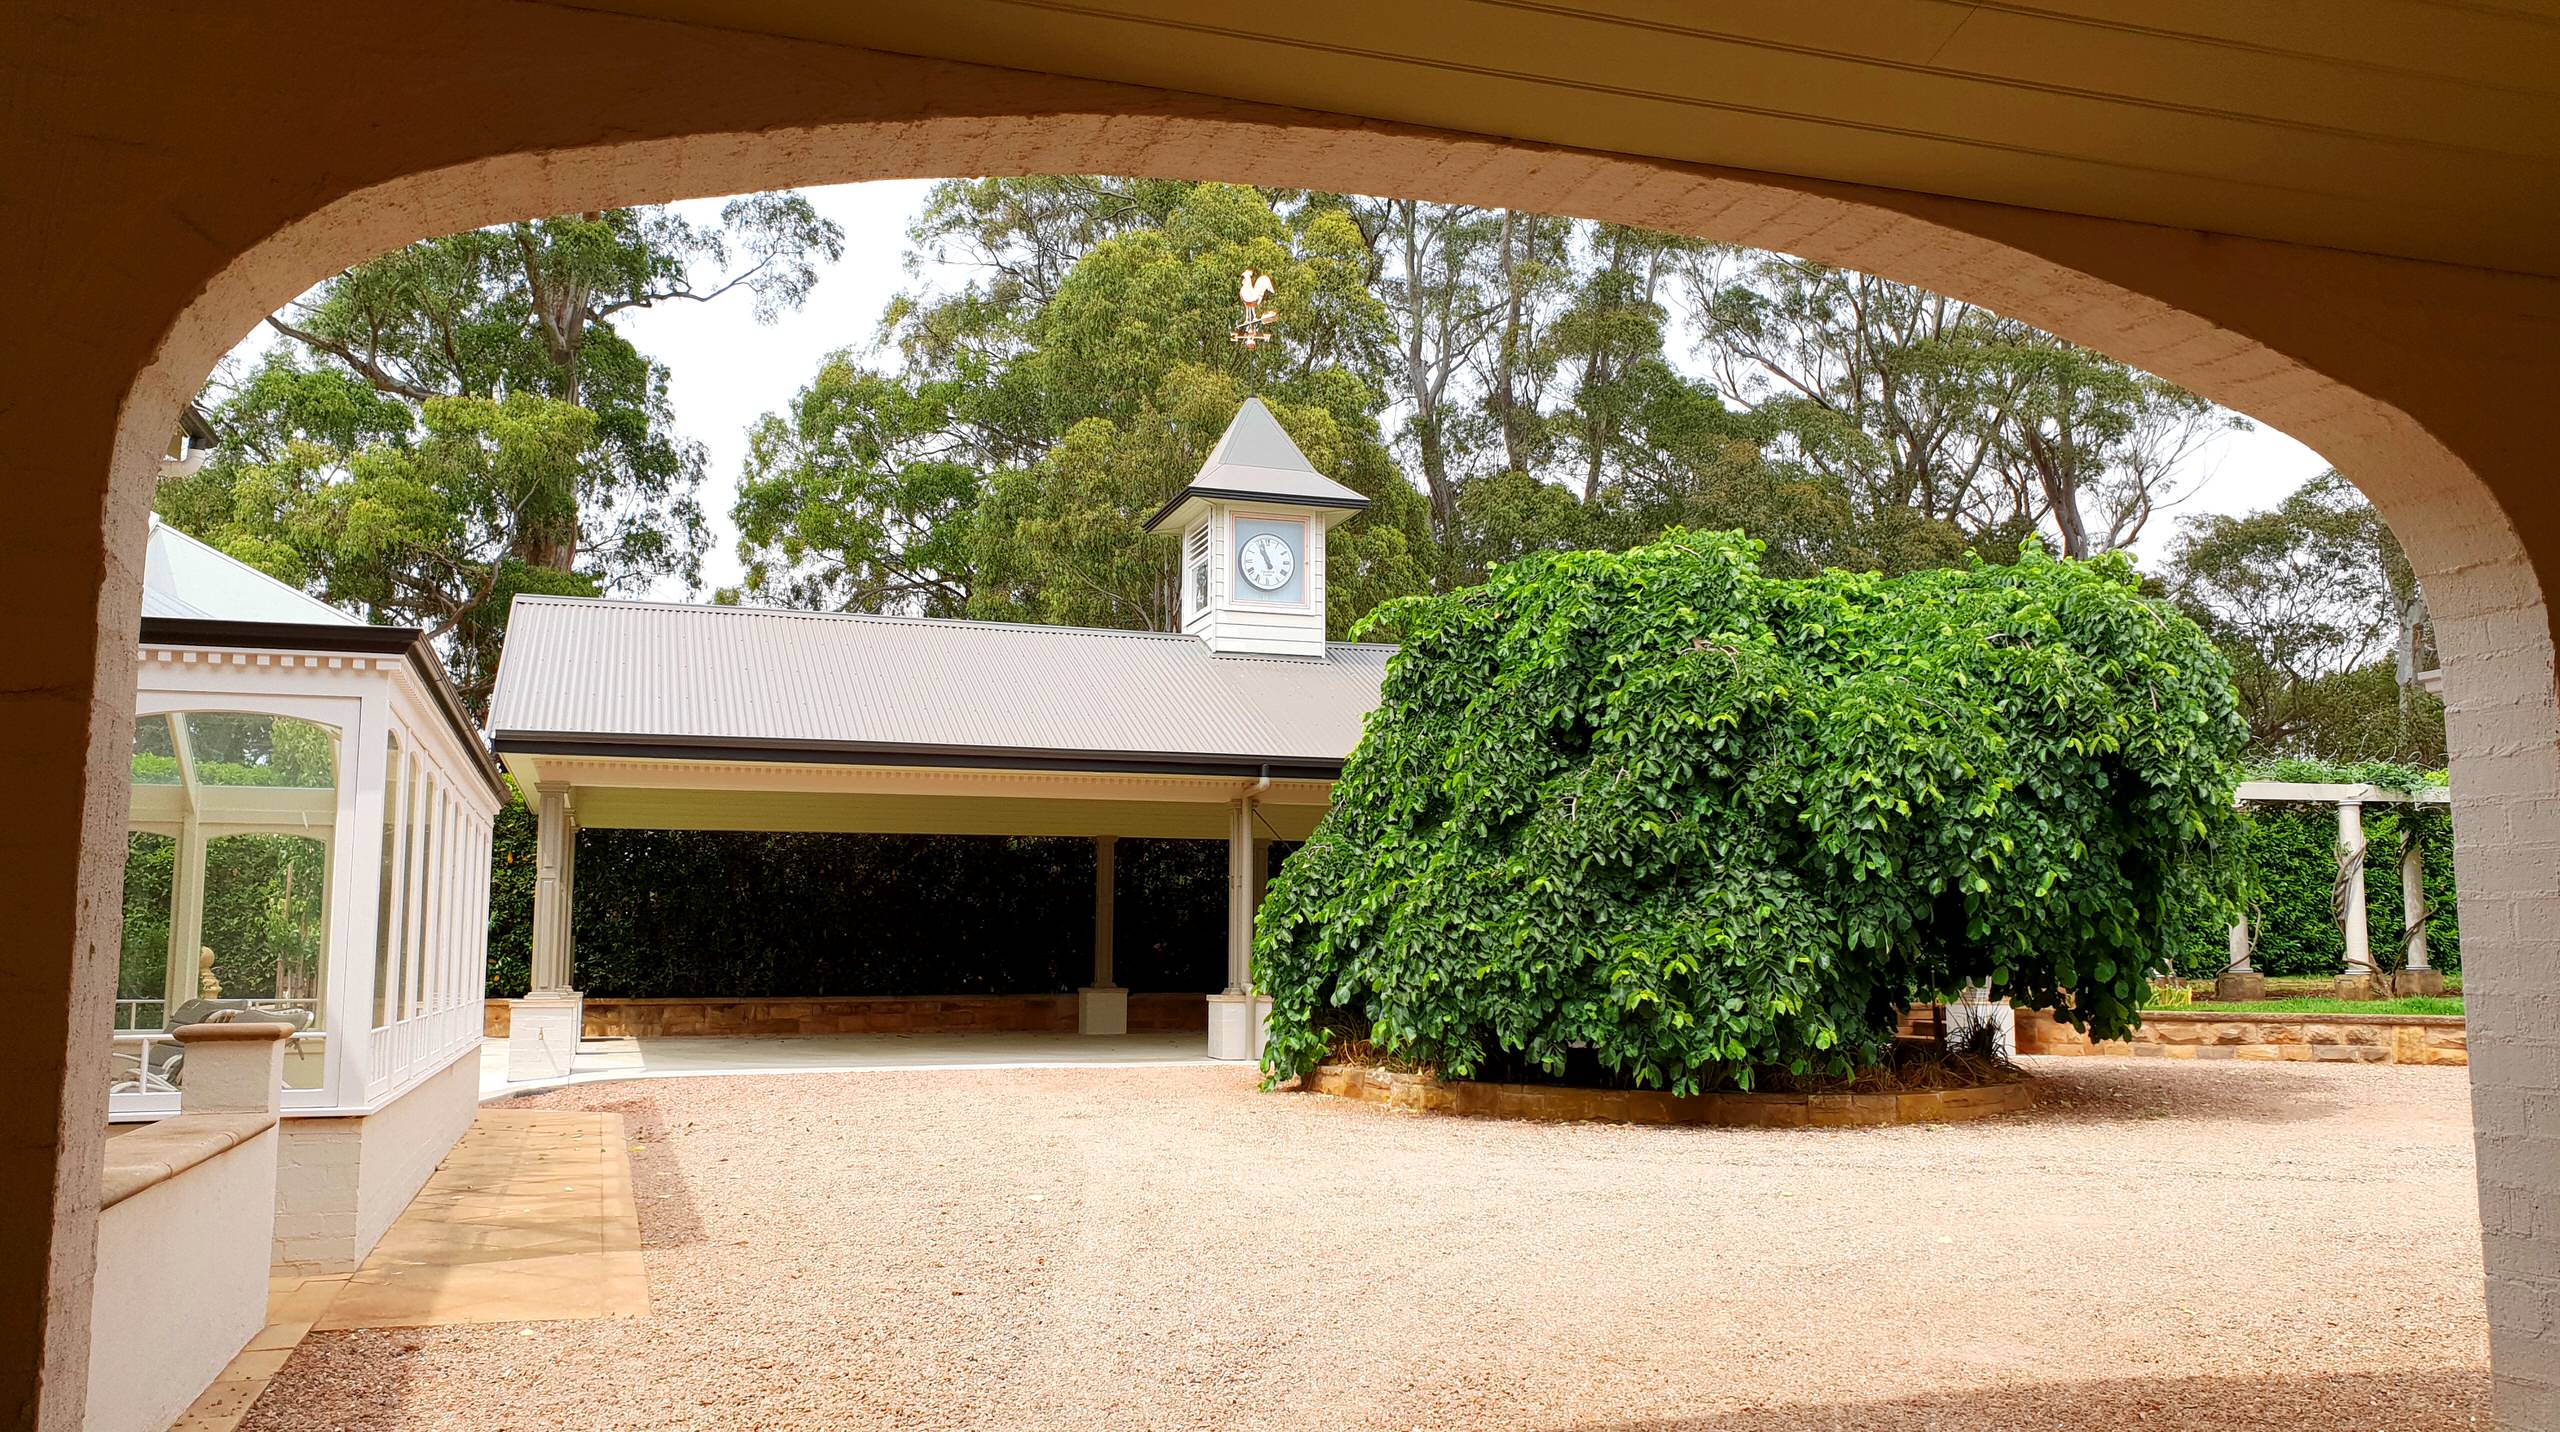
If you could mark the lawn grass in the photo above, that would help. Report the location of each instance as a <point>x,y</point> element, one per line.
<point>2418,1004</point>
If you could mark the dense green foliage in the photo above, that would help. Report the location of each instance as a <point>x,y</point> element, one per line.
<point>1702,823</point>
<point>843,915</point>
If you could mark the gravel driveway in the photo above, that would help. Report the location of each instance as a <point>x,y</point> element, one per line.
<point>2223,1246</point>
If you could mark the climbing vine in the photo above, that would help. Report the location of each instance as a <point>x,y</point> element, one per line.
<point>1653,818</point>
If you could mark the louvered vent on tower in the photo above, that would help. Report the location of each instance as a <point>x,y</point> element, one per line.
<point>1195,572</point>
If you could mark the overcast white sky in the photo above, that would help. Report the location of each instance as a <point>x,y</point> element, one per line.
<point>726,370</point>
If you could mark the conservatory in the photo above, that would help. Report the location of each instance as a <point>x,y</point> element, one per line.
<point>307,844</point>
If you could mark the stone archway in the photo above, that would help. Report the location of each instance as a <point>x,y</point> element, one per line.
<point>2416,380</point>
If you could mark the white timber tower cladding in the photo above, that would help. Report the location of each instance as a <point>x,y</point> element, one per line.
<point>1253,525</point>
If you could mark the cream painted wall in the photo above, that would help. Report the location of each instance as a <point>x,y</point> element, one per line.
<point>182,1287</point>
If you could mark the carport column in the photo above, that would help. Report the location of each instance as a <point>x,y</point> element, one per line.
<point>1103,1007</point>
<point>1231,1032</point>
<point>1261,1005</point>
<point>554,867</point>
<point>543,1027</point>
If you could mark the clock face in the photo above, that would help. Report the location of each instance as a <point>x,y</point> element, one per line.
<point>1266,562</point>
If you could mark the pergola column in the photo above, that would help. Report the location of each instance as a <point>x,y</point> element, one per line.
<point>2417,976</point>
<point>2350,892</point>
<point>1103,1007</point>
<point>554,874</point>
<point>2413,899</point>
<point>2240,979</point>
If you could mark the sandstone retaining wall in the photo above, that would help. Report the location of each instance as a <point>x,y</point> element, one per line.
<point>886,1014</point>
<point>2221,1034</point>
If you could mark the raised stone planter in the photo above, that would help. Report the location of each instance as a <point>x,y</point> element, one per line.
<point>1650,1106</point>
<point>2223,1034</point>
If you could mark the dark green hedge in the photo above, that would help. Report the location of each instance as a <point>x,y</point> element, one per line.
<point>687,913</point>
<point>2290,870</point>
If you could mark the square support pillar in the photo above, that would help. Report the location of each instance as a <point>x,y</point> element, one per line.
<point>542,1036</point>
<point>1233,1028</point>
<point>554,876</point>
<point>1102,1008</point>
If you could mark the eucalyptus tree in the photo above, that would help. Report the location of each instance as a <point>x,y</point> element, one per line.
<point>1005,463</point>
<point>2320,615</point>
<point>1945,425</point>
<point>460,420</point>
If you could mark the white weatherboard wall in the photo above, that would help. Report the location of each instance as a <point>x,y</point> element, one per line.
<point>182,1287</point>
<point>1237,619</point>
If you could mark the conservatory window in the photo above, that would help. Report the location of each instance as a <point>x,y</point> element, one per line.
<point>385,964</point>
<point>226,893</point>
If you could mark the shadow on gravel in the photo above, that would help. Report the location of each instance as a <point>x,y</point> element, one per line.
<point>668,1217</point>
<point>2118,1091</point>
<point>2405,1400</point>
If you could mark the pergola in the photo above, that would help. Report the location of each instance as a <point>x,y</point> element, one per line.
<point>2348,892</point>
<point>307,841</point>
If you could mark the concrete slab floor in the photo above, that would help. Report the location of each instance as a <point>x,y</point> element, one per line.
<point>632,1058</point>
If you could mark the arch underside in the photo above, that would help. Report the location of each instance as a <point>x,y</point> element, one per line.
<point>2319,344</point>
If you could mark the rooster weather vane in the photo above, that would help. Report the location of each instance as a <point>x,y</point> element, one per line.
<point>1256,328</point>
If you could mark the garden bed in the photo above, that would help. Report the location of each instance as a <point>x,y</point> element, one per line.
<point>1931,1092</point>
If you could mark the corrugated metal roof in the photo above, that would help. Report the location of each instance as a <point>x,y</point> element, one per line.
<point>185,579</point>
<point>1255,460</point>
<point>769,684</point>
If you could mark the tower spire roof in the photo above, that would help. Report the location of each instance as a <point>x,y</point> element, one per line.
<point>1255,461</point>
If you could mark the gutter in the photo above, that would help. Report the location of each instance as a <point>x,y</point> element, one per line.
<point>409,642</point>
<point>1263,770</point>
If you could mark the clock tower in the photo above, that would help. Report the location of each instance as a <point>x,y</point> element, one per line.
<point>1252,526</point>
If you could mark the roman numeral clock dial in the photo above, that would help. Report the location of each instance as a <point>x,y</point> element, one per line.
<point>1267,562</point>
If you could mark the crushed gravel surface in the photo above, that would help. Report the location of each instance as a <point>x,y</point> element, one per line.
<point>2157,1245</point>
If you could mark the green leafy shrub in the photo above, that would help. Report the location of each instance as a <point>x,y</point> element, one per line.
<point>1654,818</point>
